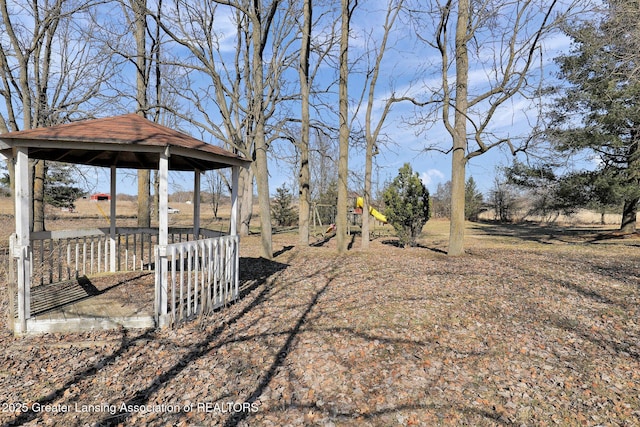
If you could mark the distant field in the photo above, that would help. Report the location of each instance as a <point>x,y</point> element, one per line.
<point>583,216</point>
<point>96,214</point>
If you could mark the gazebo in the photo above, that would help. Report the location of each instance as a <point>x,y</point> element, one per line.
<point>195,272</point>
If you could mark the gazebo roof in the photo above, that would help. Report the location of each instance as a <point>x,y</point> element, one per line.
<point>127,141</point>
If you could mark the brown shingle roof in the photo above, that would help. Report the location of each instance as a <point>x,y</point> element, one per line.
<point>128,141</point>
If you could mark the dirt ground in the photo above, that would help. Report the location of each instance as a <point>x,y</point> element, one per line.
<point>535,325</point>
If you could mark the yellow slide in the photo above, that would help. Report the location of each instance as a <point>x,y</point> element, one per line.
<point>377,215</point>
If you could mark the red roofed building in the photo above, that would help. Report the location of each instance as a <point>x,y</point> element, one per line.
<point>100,196</point>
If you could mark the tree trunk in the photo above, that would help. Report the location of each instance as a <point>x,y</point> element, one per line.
<point>262,181</point>
<point>343,159</point>
<point>155,210</point>
<point>366,197</point>
<point>304,196</point>
<point>144,199</point>
<point>371,135</point>
<point>458,158</point>
<point>144,175</point>
<point>38,195</point>
<point>245,195</point>
<point>261,147</point>
<point>456,229</point>
<point>629,213</point>
<point>12,176</point>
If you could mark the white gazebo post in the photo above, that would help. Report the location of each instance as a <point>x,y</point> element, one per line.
<point>162,295</point>
<point>233,227</point>
<point>196,204</point>
<point>112,221</point>
<point>22,250</point>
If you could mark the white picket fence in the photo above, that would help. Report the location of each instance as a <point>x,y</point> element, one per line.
<point>63,255</point>
<point>201,276</point>
<point>194,277</point>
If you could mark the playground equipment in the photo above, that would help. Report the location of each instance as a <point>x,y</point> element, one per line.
<point>377,215</point>
<point>324,215</point>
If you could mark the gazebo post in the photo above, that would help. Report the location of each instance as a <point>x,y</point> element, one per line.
<point>196,204</point>
<point>22,250</point>
<point>233,227</point>
<point>112,221</point>
<point>162,295</point>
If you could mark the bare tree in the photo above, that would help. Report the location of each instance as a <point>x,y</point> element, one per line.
<point>316,32</point>
<point>372,130</point>
<point>139,9</point>
<point>343,156</point>
<point>503,200</point>
<point>51,72</point>
<point>323,164</point>
<point>304,178</point>
<point>498,42</point>
<point>246,84</point>
<point>136,44</point>
<point>216,183</point>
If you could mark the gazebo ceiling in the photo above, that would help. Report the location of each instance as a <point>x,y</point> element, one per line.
<point>128,141</point>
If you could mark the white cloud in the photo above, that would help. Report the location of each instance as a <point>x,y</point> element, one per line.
<point>430,176</point>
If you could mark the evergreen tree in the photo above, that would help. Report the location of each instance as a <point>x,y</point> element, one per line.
<point>473,200</point>
<point>406,202</point>
<point>604,92</point>
<point>281,211</point>
<point>59,190</point>
<point>550,193</point>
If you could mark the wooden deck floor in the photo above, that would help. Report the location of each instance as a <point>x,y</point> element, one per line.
<point>103,302</point>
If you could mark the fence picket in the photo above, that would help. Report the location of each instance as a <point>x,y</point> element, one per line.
<point>202,275</point>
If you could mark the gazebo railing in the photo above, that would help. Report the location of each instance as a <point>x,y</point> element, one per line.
<point>62,255</point>
<point>201,276</point>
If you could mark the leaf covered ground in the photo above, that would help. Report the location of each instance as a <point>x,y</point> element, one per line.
<point>531,327</point>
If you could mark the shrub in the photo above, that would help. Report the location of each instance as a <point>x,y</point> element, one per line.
<point>406,205</point>
<point>281,211</point>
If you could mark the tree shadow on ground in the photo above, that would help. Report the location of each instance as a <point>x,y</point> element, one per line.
<point>126,342</point>
<point>615,235</point>
<point>283,250</point>
<point>284,229</point>
<point>396,243</point>
<point>547,233</point>
<point>606,342</point>
<point>254,272</point>
<point>279,360</point>
<point>351,242</point>
<point>321,242</point>
<point>55,296</point>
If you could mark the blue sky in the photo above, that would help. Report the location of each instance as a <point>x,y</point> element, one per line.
<point>409,68</point>
<point>513,119</point>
